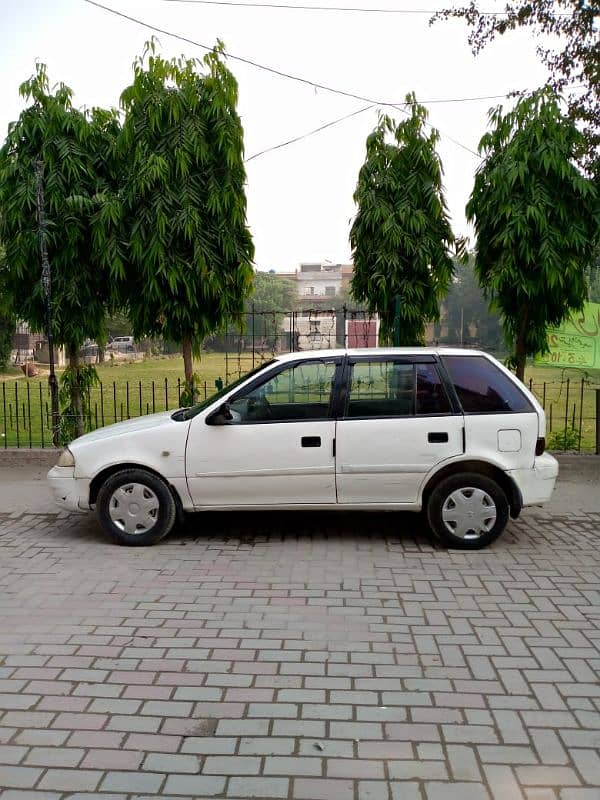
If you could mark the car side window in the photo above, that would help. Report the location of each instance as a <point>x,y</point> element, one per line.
<point>300,392</point>
<point>482,388</point>
<point>431,394</point>
<point>381,389</point>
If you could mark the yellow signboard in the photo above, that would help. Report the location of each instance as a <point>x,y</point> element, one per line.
<point>577,342</point>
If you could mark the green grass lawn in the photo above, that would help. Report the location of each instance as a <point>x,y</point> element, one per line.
<point>134,388</point>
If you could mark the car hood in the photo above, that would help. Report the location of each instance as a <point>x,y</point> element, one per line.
<point>146,423</point>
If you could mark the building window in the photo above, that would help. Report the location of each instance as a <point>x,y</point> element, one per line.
<point>330,291</point>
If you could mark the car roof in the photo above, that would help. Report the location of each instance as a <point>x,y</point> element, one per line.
<point>379,351</point>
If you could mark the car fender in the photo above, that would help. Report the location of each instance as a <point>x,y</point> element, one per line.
<point>472,462</point>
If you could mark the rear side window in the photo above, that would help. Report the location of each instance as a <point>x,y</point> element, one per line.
<point>381,389</point>
<point>395,389</point>
<point>482,388</point>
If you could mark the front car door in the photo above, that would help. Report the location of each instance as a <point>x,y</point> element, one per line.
<point>279,447</point>
<point>398,422</point>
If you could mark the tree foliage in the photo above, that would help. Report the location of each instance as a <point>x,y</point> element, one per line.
<point>76,148</point>
<point>76,384</point>
<point>189,252</point>
<point>592,276</point>
<point>7,321</point>
<point>272,298</point>
<point>570,50</point>
<point>401,238</point>
<point>537,221</point>
<point>467,317</point>
<point>272,293</point>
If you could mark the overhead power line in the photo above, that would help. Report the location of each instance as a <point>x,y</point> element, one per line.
<point>309,133</point>
<point>286,75</point>
<point>305,81</point>
<point>233,57</point>
<point>271,70</point>
<point>344,9</point>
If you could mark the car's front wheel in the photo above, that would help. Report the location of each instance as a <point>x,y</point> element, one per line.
<point>467,511</point>
<point>135,507</point>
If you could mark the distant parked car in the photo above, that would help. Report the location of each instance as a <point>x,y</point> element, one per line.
<point>122,344</point>
<point>89,350</point>
<point>450,432</point>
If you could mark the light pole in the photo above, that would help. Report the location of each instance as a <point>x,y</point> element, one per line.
<point>47,288</point>
<point>397,321</point>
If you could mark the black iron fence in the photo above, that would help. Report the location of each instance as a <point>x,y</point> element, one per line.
<point>25,415</point>
<point>571,403</point>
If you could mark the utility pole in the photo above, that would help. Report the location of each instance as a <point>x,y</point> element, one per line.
<point>397,321</point>
<point>46,288</point>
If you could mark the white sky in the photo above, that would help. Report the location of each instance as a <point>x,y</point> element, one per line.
<point>300,197</point>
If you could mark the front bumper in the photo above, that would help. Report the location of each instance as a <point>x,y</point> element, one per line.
<point>69,492</point>
<point>537,483</point>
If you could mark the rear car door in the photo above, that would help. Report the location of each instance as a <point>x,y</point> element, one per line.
<point>501,424</point>
<point>397,423</point>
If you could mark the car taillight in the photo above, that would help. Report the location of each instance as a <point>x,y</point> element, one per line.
<point>540,445</point>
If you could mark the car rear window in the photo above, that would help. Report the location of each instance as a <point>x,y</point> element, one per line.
<point>482,388</point>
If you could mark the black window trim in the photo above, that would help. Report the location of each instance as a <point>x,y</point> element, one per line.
<point>449,386</point>
<point>281,367</point>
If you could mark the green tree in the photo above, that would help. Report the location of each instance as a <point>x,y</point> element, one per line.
<point>568,48</point>
<point>76,149</point>
<point>184,207</point>
<point>7,321</point>
<point>272,298</point>
<point>593,282</point>
<point>537,221</point>
<point>117,324</point>
<point>272,293</point>
<point>466,314</point>
<point>401,238</point>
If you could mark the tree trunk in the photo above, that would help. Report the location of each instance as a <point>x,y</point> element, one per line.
<point>76,397</point>
<point>188,366</point>
<point>521,347</point>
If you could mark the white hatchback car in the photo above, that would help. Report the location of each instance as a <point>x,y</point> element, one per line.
<point>450,432</point>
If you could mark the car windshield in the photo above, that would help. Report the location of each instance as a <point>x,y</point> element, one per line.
<point>196,409</point>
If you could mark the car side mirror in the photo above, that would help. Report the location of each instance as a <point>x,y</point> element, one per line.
<point>222,416</point>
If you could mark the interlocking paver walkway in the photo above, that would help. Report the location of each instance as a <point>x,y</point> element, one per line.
<point>300,656</point>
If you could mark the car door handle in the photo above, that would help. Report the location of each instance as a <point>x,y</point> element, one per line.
<point>310,441</point>
<point>437,437</point>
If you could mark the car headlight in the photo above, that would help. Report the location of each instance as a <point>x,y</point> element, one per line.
<point>66,459</point>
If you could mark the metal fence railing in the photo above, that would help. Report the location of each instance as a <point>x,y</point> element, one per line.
<point>571,404</point>
<point>25,418</point>
<point>571,407</point>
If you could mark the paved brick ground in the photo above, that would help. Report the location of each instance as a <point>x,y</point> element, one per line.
<point>348,658</point>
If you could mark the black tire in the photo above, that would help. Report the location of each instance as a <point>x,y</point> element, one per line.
<point>150,494</point>
<point>486,528</point>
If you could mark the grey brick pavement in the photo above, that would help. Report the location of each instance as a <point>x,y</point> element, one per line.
<point>347,658</point>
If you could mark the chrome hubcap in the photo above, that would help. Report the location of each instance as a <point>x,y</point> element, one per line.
<point>133,508</point>
<point>469,513</point>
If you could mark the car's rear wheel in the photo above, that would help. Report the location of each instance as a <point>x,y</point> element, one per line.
<point>467,511</point>
<point>135,507</point>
